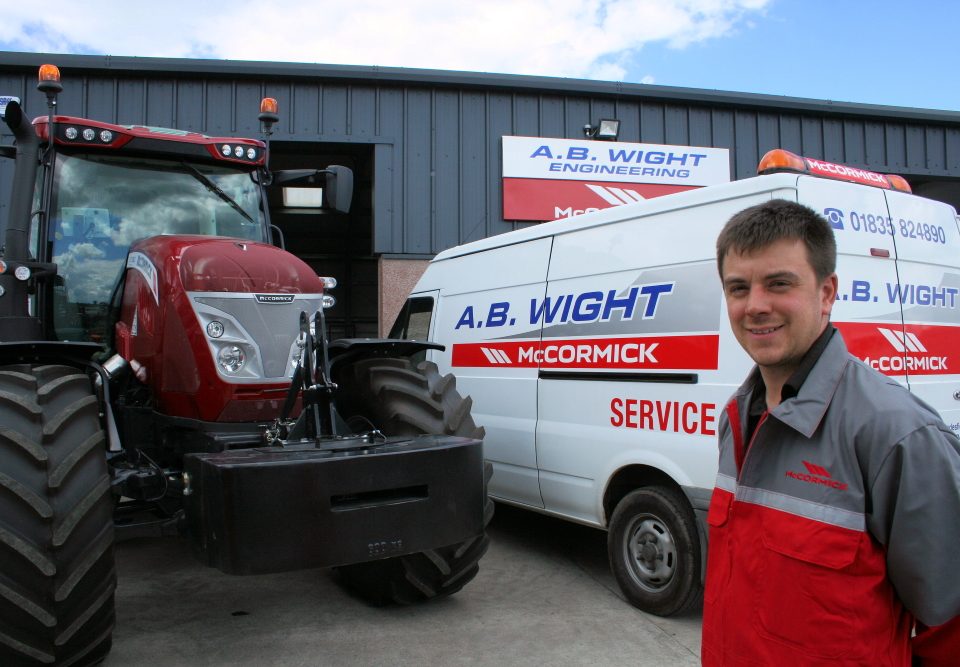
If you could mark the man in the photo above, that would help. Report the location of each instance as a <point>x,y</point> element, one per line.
<point>835,523</point>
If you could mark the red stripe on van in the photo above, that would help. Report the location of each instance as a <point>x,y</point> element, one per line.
<point>914,349</point>
<point>693,352</point>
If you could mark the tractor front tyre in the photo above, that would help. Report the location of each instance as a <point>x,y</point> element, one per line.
<point>402,399</point>
<point>57,574</point>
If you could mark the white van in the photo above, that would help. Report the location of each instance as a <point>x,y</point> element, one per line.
<point>598,354</point>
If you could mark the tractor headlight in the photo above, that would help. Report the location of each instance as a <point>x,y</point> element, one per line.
<point>231,359</point>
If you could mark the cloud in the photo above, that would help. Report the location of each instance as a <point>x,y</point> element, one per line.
<point>570,38</point>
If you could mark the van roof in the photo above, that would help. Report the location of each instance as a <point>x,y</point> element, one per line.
<point>731,190</point>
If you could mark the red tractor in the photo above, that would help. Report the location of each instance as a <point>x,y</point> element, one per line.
<point>164,368</point>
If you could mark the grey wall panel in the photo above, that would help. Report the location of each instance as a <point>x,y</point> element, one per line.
<point>447,183</point>
<point>722,130</point>
<point>936,149</point>
<point>675,125</point>
<point>874,144</point>
<point>160,103</point>
<point>101,99</point>
<point>473,167</point>
<point>220,110</point>
<point>131,101</point>
<point>191,100</point>
<point>247,96</point>
<point>916,149</point>
<point>701,129</point>
<point>811,133</point>
<point>576,114</point>
<point>768,138</point>
<point>896,142</point>
<point>499,123</point>
<point>416,219</point>
<point>383,196</point>
<point>652,123</point>
<point>334,111</point>
<point>832,140</point>
<point>551,117</point>
<point>854,150</point>
<point>745,133</point>
<point>628,113</point>
<point>791,132</point>
<point>390,119</point>
<point>305,109</point>
<point>526,115</point>
<point>952,148</point>
<point>363,112</point>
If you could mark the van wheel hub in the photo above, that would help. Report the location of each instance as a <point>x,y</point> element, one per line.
<point>652,553</point>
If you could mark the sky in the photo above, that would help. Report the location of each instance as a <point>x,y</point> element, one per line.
<point>902,53</point>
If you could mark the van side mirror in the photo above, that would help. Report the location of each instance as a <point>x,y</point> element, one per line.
<point>336,181</point>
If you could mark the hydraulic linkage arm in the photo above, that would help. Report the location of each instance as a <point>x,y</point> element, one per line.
<point>311,381</point>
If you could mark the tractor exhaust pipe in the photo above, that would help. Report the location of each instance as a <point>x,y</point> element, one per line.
<point>17,233</point>
<point>16,323</point>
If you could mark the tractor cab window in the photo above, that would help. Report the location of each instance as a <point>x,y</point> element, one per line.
<point>101,205</point>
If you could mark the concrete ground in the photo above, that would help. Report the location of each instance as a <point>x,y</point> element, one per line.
<point>544,596</point>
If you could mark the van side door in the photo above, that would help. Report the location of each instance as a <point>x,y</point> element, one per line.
<point>866,312</point>
<point>486,321</point>
<point>928,264</point>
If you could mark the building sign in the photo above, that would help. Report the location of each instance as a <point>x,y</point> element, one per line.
<point>546,179</point>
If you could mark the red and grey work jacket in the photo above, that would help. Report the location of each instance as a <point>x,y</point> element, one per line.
<point>834,527</point>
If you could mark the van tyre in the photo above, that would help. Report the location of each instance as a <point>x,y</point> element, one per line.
<point>654,551</point>
<point>403,399</point>
<point>57,575</point>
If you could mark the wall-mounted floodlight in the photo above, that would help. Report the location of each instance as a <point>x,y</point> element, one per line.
<point>607,129</point>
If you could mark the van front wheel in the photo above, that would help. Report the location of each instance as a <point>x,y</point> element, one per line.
<point>654,551</point>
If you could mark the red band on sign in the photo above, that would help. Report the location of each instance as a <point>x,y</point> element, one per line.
<point>543,199</point>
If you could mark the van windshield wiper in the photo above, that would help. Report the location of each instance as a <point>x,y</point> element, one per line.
<point>217,190</point>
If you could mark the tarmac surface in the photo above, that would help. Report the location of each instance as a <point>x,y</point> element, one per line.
<point>544,596</point>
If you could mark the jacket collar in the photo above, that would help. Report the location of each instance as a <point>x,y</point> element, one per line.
<point>805,411</point>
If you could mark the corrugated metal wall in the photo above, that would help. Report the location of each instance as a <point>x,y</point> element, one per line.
<point>437,139</point>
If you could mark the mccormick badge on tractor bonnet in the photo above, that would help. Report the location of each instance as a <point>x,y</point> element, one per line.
<point>597,353</point>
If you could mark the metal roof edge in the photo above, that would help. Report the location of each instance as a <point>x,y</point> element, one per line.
<point>538,84</point>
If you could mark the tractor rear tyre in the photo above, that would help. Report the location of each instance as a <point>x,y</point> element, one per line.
<point>57,575</point>
<point>401,399</point>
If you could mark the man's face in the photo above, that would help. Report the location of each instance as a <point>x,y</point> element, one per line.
<point>777,307</point>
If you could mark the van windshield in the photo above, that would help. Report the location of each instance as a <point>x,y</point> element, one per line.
<point>101,204</point>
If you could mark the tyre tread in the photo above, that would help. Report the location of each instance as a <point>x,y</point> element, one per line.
<point>402,399</point>
<point>57,576</point>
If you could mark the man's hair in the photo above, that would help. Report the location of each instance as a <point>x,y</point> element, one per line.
<point>758,226</point>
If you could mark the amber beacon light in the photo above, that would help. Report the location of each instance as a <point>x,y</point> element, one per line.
<point>780,160</point>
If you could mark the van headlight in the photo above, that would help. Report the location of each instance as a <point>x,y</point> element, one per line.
<point>231,359</point>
